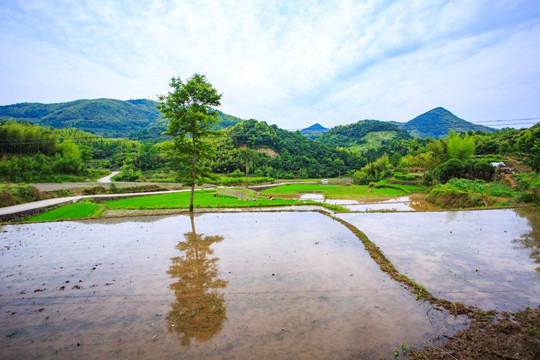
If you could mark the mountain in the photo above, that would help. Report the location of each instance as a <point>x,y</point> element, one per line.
<point>305,158</point>
<point>314,131</point>
<point>105,117</point>
<point>363,134</point>
<point>437,122</point>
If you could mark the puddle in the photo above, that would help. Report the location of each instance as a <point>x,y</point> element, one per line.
<point>225,285</point>
<point>485,258</point>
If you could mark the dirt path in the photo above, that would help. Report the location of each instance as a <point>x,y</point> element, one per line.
<point>107,179</point>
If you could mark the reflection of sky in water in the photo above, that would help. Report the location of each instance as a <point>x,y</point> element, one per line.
<point>379,207</point>
<point>275,285</point>
<point>476,257</point>
<point>403,203</point>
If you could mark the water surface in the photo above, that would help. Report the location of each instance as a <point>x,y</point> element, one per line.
<point>234,285</point>
<point>487,258</point>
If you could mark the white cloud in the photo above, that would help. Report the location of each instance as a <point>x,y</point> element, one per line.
<point>290,63</point>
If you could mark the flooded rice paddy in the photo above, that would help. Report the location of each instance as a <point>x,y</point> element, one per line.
<point>404,203</point>
<point>222,285</point>
<point>486,258</point>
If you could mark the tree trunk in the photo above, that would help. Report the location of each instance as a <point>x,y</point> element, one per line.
<point>193,174</point>
<point>246,173</point>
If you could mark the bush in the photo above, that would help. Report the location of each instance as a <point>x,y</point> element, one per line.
<point>447,197</point>
<point>428,179</point>
<point>19,194</point>
<point>373,172</point>
<point>452,168</point>
<point>479,170</point>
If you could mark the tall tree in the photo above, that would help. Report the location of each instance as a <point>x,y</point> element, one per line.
<point>189,109</point>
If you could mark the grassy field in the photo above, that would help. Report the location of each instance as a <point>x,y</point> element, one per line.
<point>339,191</point>
<point>228,198</point>
<point>70,211</point>
<point>202,199</point>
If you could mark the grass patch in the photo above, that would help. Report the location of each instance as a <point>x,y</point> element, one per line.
<point>339,191</point>
<point>202,199</point>
<point>70,211</point>
<point>408,188</point>
<point>464,193</point>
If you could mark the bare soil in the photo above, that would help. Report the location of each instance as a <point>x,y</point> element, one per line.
<point>516,336</point>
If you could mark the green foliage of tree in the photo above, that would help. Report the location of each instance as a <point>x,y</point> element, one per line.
<point>373,172</point>
<point>448,170</point>
<point>459,147</point>
<point>190,120</point>
<point>354,134</point>
<point>488,145</point>
<point>296,155</point>
<point>26,138</point>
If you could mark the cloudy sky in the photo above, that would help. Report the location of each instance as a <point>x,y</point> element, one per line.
<point>290,63</point>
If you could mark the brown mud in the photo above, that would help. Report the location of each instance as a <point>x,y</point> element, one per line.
<point>516,336</point>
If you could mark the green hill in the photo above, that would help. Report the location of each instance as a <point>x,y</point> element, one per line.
<point>437,122</point>
<point>105,117</point>
<point>301,156</point>
<point>363,134</point>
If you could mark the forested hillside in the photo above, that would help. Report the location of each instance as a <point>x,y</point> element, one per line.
<point>363,134</point>
<point>437,122</point>
<point>297,155</point>
<point>110,118</point>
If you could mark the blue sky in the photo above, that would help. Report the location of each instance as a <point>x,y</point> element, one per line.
<point>290,63</point>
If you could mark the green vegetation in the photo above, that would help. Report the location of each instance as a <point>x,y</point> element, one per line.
<point>206,199</point>
<point>339,191</point>
<point>282,154</point>
<point>376,155</point>
<point>529,186</point>
<point>357,135</point>
<point>190,122</point>
<point>18,194</point>
<point>203,199</point>
<point>137,119</point>
<point>373,172</point>
<point>463,193</point>
<point>437,122</point>
<point>70,211</point>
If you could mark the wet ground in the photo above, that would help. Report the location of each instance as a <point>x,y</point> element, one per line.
<point>487,258</point>
<point>227,285</point>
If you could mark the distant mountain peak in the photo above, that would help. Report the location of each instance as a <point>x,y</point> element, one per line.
<point>315,127</point>
<point>437,122</point>
<point>314,131</point>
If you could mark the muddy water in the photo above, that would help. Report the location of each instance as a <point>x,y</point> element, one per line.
<point>238,285</point>
<point>487,258</point>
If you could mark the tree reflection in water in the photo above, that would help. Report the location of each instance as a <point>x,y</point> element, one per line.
<point>199,309</point>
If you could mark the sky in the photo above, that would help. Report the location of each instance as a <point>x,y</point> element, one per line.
<point>289,63</point>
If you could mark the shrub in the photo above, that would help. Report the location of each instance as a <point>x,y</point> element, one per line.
<point>452,168</point>
<point>373,172</point>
